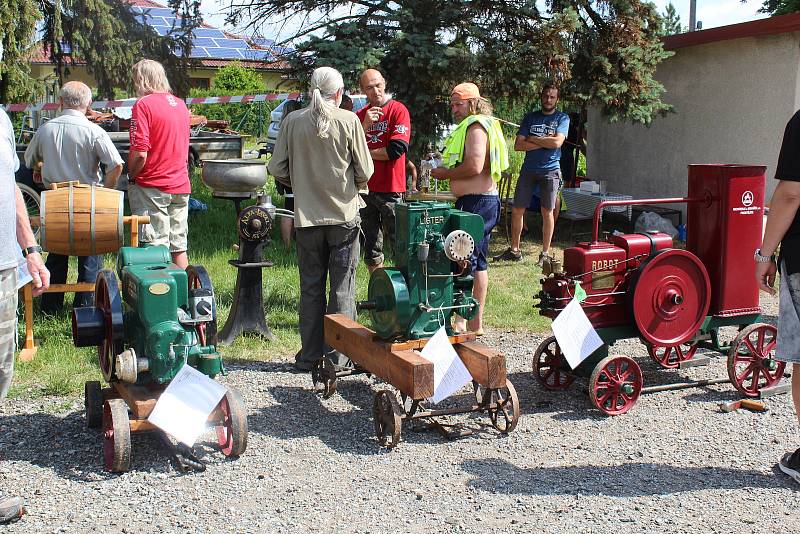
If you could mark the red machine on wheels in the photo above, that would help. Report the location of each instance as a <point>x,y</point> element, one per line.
<point>675,301</point>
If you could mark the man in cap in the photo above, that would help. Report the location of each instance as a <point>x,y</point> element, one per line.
<point>474,158</point>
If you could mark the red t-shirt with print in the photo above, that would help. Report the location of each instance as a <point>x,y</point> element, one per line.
<point>389,176</point>
<point>160,127</point>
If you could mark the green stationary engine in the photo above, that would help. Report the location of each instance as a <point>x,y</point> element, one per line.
<point>432,277</point>
<point>168,319</point>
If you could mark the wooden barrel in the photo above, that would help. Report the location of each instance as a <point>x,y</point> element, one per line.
<point>81,220</point>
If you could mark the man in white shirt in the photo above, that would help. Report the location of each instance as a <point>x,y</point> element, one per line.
<point>72,148</point>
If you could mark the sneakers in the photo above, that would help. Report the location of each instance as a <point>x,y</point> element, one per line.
<point>508,255</point>
<point>11,509</point>
<point>544,257</point>
<point>790,464</point>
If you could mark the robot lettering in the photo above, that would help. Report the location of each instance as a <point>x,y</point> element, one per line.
<point>604,265</point>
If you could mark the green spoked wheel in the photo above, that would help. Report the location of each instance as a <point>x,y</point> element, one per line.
<point>392,312</point>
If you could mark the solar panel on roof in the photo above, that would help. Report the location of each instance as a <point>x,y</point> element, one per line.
<point>136,9</point>
<point>159,12</point>
<point>257,55</point>
<point>204,41</point>
<point>199,51</point>
<point>260,41</point>
<point>161,30</point>
<point>172,20</point>
<point>208,32</point>
<point>231,43</point>
<point>224,53</point>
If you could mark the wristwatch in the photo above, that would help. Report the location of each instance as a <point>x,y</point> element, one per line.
<point>763,259</point>
<point>31,250</point>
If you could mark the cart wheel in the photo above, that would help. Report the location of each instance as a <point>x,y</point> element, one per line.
<point>671,357</point>
<point>615,384</point>
<point>504,408</point>
<point>323,374</point>
<point>232,432</point>
<point>93,400</point>
<point>116,436</point>
<point>387,417</point>
<point>751,366</point>
<point>550,366</point>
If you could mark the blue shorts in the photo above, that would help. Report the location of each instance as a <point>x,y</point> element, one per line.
<point>488,207</point>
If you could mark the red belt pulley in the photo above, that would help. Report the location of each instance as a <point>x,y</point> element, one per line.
<point>669,296</point>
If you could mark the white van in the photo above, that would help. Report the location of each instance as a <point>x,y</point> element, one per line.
<point>359,101</point>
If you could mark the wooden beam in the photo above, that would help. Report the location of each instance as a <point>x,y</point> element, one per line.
<point>29,348</point>
<point>486,365</point>
<point>71,288</point>
<point>406,370</point>
<point>139,399</point>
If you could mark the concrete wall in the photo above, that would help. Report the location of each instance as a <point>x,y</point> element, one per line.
<point>732,100</point>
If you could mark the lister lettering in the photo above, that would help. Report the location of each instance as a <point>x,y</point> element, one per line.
<point>429,220</point>
<point>604,264</point>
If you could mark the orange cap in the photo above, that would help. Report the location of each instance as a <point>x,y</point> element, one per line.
<point>467,91</point>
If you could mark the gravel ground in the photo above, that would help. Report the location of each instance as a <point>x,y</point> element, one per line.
<point>672,464</point>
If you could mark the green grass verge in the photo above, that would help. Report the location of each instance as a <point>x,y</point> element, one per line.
<point>61,369</point>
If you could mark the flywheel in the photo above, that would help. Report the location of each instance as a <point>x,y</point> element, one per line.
<point>108,300</point>
<point>392,312</point>
<point>669,297</point>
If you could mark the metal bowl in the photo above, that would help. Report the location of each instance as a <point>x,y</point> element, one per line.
<point>234,175</point>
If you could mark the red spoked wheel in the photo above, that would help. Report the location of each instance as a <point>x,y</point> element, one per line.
<point>116,436</point>
<point>751,365</point>
<point>232,430</point>
<point>550,367</point>
<point>615,384</point>
<point>671,357</point>
<point>199,279</point>
<point>108,300</point>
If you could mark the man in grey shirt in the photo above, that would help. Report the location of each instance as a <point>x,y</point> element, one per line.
<point>72,148</point>
<point>321,152</point>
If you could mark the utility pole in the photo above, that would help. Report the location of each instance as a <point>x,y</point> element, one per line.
<point>692,15</point>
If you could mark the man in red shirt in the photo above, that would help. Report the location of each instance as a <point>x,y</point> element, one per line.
<point>387,126</point>
<point>158,174</point>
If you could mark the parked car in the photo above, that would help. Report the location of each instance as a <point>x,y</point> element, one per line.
<point>359,101</point>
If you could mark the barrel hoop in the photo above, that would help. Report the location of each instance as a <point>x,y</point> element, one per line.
<point>91,224</point>
<point>120,213</point>
<point>71,220</point>
<point>42,212</point>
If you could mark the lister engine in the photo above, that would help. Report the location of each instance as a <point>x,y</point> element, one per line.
<point>164,318</point>
<point>431,278</point>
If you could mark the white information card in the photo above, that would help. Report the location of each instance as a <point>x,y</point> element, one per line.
<point>449,372</point>
<point>575,334</point>
<point>183,409</point>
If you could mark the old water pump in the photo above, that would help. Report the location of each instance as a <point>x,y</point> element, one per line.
<point>168,319</point>
<point>431,279</point>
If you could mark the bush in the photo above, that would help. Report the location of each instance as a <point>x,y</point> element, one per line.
<point>233,80</point>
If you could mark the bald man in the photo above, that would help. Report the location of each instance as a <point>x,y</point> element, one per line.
<point>72,148</point>
<point>387,126</point>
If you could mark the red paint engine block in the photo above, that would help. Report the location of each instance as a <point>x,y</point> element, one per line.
<point>604,270</point>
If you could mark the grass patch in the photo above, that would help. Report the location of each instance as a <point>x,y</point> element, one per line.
<point>60,368</point>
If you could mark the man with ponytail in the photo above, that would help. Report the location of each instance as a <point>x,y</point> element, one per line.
<point>322,154</point>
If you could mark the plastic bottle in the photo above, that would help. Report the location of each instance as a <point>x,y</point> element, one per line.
<point>682,232</point>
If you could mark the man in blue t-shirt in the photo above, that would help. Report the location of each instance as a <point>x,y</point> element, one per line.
<point>540,136</point>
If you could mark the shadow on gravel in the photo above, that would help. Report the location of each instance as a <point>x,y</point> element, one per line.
<point>626,480</point>
<point>72,451</point>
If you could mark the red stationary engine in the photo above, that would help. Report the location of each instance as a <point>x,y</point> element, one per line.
<point>668,288</point>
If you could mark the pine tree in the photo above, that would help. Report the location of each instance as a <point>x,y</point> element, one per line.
<point>603,53</point>
<point>671,23</point>
<point>780,7</point>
